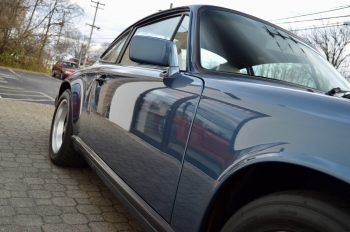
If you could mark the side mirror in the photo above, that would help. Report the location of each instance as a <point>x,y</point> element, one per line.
<point>150,50</point>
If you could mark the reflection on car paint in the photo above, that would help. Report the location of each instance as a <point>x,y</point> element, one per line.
<point>156,117</point>
<point>213,134</point>
<point>81,122</point>
<point>119,105</point>
<point>76,100</point>
<point>211,152</point>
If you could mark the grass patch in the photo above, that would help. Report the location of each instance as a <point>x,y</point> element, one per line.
<point>24,63</point>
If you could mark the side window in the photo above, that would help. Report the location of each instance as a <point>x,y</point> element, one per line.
<point>211,60</point>
<point>163,29</point>
<point>113,52</point>
<point>296,73</point>
<point>181,42</point>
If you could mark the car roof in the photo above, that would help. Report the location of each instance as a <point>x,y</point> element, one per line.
<point>68,61</point>
<point>189,8</point>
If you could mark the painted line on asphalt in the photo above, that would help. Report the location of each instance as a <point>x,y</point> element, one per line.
<point>15,73</point>
<point>7,76</point>
<point>11,88</point>
<point>26,95</point>
<point>26,76</point>
<point>47,96</point>
<point>15,94</point>
<point>15,99</point>
<point>52,78</point>
<point>14,89</point>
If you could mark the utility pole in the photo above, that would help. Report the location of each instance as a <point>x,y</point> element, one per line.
<point>92,29</point>
<point>81,52</point>
<point>171,6</point>
<point>81,49</point>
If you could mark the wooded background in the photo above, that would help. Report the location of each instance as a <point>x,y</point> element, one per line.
<point>33,31</point>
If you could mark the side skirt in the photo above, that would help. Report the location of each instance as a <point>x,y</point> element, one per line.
<point>149,218</point>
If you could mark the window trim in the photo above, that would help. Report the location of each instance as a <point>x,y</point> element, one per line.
<point>188,37</point>
<point>134,29</point>
<point>118,39</point>
<point>177,27</point>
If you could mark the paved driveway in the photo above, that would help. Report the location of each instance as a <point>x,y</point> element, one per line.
<point>36,195</point>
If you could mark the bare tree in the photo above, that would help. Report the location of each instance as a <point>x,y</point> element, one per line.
<point>96,53</point>
<point>32,29</point>
<point>11,17</point>
<point>333,43</point>
<point>61,14</point>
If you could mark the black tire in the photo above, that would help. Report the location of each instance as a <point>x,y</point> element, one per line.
<point>63,153</point>
<point>53,73</point>
<point>292,211</point>
<point>61,76</point>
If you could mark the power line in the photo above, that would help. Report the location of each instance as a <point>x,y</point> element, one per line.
<point>308,20</point>
<point>325,26</point>
<point>339,8</point>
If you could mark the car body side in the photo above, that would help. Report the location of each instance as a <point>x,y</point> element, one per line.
<point>249,137</point>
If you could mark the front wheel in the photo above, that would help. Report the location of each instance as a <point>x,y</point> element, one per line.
<point>53,73</point>
<point>61,76</point>
<point>61,146</point>
<point>292,211</point>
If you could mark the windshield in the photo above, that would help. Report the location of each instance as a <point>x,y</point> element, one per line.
<point>70,65</point>
<point>236,44</point>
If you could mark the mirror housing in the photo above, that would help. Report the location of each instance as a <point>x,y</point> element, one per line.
<point>150,50</point>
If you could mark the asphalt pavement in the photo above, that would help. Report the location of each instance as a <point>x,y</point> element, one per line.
<point>26,86</point>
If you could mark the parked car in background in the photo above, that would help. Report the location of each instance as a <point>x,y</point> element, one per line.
<point>64,68</point>
<point>202,118</point>
<point>76,60</point>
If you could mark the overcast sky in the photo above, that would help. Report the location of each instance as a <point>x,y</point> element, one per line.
<point>118,14</point>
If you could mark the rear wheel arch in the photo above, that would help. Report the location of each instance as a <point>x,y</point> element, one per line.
<point>261,179</point>
<point>64,86</point>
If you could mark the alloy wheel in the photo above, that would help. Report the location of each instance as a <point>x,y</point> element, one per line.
<point>59,126</point>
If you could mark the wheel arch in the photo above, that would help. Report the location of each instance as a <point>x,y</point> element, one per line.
<point>259,179</point>
<point>75,87</point>
<point>65,85</point>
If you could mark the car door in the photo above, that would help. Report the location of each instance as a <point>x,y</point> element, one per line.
<point>139,126</point>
